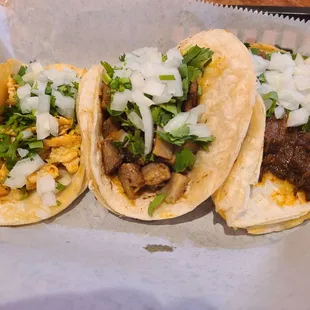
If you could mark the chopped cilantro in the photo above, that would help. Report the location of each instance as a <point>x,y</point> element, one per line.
<point>185,159</point>
<point>262,78</point>
<point>58,203</point>
<point>122,57</point>
<point>48,89</point>
<point>108,68</point>
<point>24,193</point>
<point>66,90</point>
<point>135,143</point>
<point>271,95</point>
<point>22,70</point>
<point>164,57</point>
<point>306,127</point>
<point>19,80</point>
<point>167,77</point>
<point>197,57</point>
<point>161,116</point>
<point>75,85</point>
<point>60,186</point>
<point>36,144</point>
<point>156,202</point>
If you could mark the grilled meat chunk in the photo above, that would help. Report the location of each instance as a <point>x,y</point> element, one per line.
<point>155,174</point>
<point>112,157</point>
<point>162,148</point>
<point>131,178</point>
<point>175,187</point>
<point>109,126</point>
<point>192,100</point>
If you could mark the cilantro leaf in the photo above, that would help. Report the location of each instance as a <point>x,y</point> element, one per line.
<point>160,115</point>
<point>306,127</point>
<point>108,68</point>
<point>198,57</point>
<point>262,78</point>
<point>22,70</point>
<point>122,57</point>
<point>75,85</point>
<point>156,202</point>
<point>65,90</point>
<point>60,186</point>
<point>135,144</point>
<point>19,80</point>
<point>271,95</point>
<point>185,159</point>
<point>164,57</point>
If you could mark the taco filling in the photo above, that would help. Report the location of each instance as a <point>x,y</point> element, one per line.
<point>39,138</point>
<point>151,130</point>
<point>283,81</point>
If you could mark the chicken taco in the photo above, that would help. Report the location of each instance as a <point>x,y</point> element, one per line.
<point>268,188</point>
<point>41,169</point>
<point>162,130</point>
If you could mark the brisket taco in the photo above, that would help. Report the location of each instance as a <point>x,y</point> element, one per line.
<point>41,169</point>
<point>162,131</point>
<point>268,188</point>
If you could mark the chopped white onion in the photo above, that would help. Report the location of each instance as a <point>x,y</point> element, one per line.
<point>288,105</point>
<point>120,100</point>
<point>137,80</point>
<point>29,104</point>
<point>22,152</point>
<point>280,61</point>
<point>124,73</point>
<point>136,120</point>
<point>65,104</point>
<point>279,112</point>
<point>44,103</point>
<point>298,117</point>
<point>299,61</point>
<point>200,130</point>
<point>302,82</point>
<point>65,180</point>
<point>174,58</point>
<point>274,79</point>
<point>48,199</point>
<point>45,184</point>
<point>291,96</point>
<point>176,122</point>
<point>23,91</point>
<point>260,64</point>
<point>27,133</point>
<point>36,67</point>
<point>46,124</point>
<point>194,114</point>
<point>265,89</point>
<point>163,98</point>
<point>31,76</point>
<point>147,119</point>
<point>23,168</point>
<point>153,86</point>
<point>38,88</point>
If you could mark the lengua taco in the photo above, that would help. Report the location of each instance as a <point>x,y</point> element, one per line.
<point>268,188</point>
<point>163,130</point>
<point>41,169</point>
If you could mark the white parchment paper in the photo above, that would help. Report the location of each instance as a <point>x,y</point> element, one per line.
<point>87,258</point>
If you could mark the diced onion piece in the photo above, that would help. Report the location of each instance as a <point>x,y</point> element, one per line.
<point>274,79</point>
<point>298,117</point>
<point>280,61</point>
<point>288,105</point>
<point>120,100</point>
<point>65,104</point>
<point>302,82</point>
<point>178,121</point>
<point>56,76</point>
<point>27,133</point>
<point>174,58</point>
<point>265,89</point>
<point>153,87</point>
<point>123,73</point>
<point>54,127</point>
<point>49,199</point>
<point>23,91</point>
<point>260,64</point>
<point>36,67</point>
<point>147,119</point>
<point>43,213</point>
<point>194,114</point>
<point>46,124</point>
<point>279,112</point>
<point>65,180</point>
<point>137,80</point>
<point>30,76</point>
<point>23,168</point>
<point>22,152</point>
<point>42,125</point>
<point>200,130</point>
<point>29,104</point>
<point>38,88</point>
<point>44,103</point>
<point>136,120</point>
<point>163,98</point>
<point>175,87</point>
<point>292,96</point>
<point>299,61</point>
<point>45,184</point>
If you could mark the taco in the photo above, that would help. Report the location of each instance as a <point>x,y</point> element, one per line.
<point>162,131</point>
<point>268,188</point>
<point>41,166</point>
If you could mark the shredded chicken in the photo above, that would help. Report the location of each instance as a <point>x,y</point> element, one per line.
<point>31,180</point>
<point>4,190</point>
<point>12,88</point>
<point>73,166</point>
<point>4,172</point>
<point>64,124</point>
<point>63,154</point>
<point>67,140</point>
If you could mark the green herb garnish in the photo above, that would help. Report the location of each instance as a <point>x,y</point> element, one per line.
<point>185,159</point>
<point>156,202</point>
<point>167,77</point>
<point>60,186</point>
